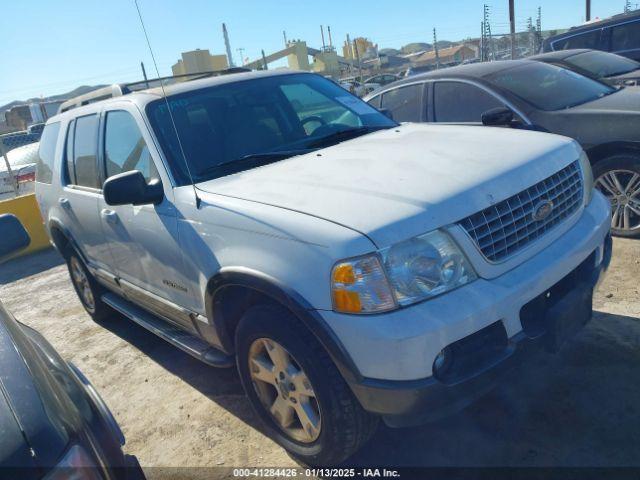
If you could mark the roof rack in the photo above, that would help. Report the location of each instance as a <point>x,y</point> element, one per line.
<point>119,89</point>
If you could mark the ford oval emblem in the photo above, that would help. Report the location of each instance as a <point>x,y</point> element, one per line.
<point>542,210</point>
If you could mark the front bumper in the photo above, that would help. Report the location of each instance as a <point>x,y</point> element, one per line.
<point>413,402</point>
<point>395,352</point>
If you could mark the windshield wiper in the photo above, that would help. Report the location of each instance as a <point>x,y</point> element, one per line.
<point>342,135</point>
<point>251,160</point>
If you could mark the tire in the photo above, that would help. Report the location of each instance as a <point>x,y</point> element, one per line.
<point>622,170</point>
<point>89,293</point>
<point>344,425</point>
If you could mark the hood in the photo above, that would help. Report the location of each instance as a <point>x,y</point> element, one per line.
<point>398,183</point>
<point>28,396</point>
<point>620,79</point>
<point>14,449</point>
<point>624,101</point>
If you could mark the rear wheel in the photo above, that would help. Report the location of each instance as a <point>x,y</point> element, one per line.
<point>296,390</point>
<point>88,290</point>
<point>618,178</point>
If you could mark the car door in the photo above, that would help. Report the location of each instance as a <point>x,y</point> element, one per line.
<point>143,239</point>
<point>461,102</point>
<point>81,190</point>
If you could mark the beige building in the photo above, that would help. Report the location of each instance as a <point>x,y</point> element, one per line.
<point>363,44</point>
<point>455,54</point>
<point>197,61</point>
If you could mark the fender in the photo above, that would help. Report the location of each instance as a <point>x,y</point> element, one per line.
<point>54,223</point>
<point>288,297</point>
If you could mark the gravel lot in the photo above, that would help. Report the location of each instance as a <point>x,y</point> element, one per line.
<point>580,407</point>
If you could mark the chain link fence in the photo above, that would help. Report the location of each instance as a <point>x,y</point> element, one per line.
<point>18,158</point>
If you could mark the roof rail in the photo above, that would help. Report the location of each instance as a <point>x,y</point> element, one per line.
<point>119,89</point>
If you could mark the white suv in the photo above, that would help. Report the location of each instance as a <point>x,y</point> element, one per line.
<point>352,268</point>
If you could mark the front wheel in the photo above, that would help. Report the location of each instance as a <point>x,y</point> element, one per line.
<point>296,390</point>
<point>618,179</point>
<point>88,290</point>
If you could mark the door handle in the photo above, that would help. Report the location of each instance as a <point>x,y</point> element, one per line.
<point>109,215</point>
<point>64,202</point>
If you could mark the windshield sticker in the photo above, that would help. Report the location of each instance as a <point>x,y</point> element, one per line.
<point>356,105</point>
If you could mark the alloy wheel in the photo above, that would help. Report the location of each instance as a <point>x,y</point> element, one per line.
<point>622,188</point>
<point>82,283</point>
<point>284,390</point>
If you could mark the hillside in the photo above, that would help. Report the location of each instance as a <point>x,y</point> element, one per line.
<point>73,93</point>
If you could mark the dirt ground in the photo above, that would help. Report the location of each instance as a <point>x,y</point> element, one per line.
<point>578,408</point>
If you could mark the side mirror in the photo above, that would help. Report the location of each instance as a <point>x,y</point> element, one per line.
<point>497,117</point>
<point>14,236</point>
<point>130,188</point>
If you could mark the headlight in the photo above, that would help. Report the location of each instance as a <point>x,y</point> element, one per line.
<point>359,285</point>
<point>426,266</point>
<point>402,274</point>
<point>587,177</point>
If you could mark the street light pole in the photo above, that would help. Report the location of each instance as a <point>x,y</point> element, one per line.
<point>512,26</point>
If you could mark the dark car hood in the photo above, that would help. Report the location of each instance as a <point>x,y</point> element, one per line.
<point>14,449</point>
<point>30,408</point>
<point>625,100</point>
<point>632,75</point>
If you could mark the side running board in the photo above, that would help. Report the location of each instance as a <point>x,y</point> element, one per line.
<point>190,344</point>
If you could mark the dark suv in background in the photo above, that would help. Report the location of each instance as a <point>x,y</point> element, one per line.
<point>618,34</point>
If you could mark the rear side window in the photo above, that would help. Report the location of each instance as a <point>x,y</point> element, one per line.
<point>584,40</point>
<point>403,103</point>
<point>461,102</point>
<point>46,153</point>
<point>85,146</point>
<point>625,37</point>
<point>125,149</point>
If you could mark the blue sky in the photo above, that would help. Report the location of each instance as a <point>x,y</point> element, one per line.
<point>50,46</point>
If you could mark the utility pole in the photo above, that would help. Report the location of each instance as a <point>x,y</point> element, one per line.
<point>482,40</point>
<point>324,47</point>
<point>227,45</point>
<point>488,44</point>
<point>532,36</point>
<point>588,10</point>
<point>539,30</point>
<point>284,35</point>
<point>512,27</point>
<point>144,74</point>
<point>330,40</point>
<point>435,47</point>
<point>241,52</point>
<point>264,61</point>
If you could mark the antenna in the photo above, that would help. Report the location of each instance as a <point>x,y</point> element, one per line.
<point>164,96</point>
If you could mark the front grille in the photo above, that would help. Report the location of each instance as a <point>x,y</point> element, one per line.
<point>501,230</point>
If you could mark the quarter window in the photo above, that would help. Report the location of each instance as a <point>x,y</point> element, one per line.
<point>625,37</point>
<point>85,142</point>
<point>461,102</point>
<point>375,101</point>
<point>584,40</point>
<point>46,153</point>
<point>403,103</point>
<point>124,147</point>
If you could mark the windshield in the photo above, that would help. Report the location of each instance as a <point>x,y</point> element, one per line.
<point>548,87</point>
<point>261,120</point>
<point>603,64</point>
